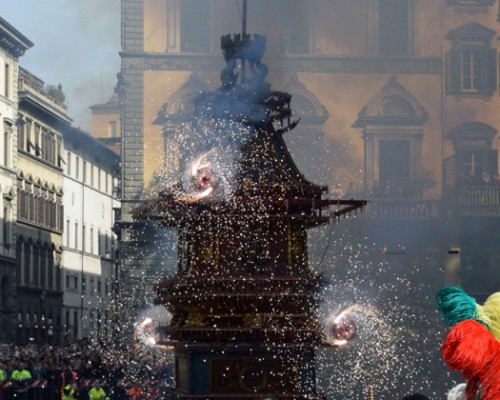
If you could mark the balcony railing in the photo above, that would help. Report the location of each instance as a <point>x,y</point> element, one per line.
<point>407,209</point>
<point>480,201</point>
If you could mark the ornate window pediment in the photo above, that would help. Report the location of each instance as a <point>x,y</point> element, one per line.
<point>392,130</point>
<point>473,34</point>
<point>393,105</point>
<point>304,102</point>
<point>470,5</point>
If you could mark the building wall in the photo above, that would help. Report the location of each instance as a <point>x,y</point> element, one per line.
<point>359,92</point>
<point>8,184</point>
<point>39,214</point>
<point>89,243</point>
<point>343,67</point>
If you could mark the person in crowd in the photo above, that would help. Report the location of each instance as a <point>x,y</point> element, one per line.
<point>3,377</point>
<point>97,393</point>
<point>106,362</point>
<point>68,393</point>
<point>68,377</point>
<point>135,392</point>
<point>3,372</point>
<point>38,372</point>
<point>21,375</point>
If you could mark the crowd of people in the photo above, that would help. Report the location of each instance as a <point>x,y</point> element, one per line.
<point>83,372</point>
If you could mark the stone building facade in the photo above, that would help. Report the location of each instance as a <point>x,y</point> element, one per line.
<point>40,211</point>
<point>398,103</point>
<point>12,46</point>
<point>89,276</point>
<point>106,123</point>
<point>397,99</point>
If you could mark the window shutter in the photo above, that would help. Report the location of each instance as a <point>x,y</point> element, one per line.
<point>492,167</point>
<point>490,72</point>
<point>453,72</point>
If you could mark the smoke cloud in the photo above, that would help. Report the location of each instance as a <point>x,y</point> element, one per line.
<point>76,44</point>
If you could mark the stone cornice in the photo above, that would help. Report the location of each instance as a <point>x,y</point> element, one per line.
<point>12,41</point>
<point>45,108</point>
<point>297,64</point>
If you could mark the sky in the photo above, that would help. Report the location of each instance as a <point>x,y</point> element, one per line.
<point>76,44</point>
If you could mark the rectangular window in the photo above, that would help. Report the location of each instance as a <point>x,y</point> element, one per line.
<point>294,26</point>
<point>27,264</point>
<point>91,240</point>
<point>36,266</point>
<point>68,163</point>
<point>67,232</point>
<point>75,324</point>
<point>68,279</point>
<point>5,226</point>
<point>394,165</point>
<point>7,81</point>
<point>7,148</point>
<point>75,282</point>
<point>77,167</point>
<point>393,27</point>
<point>37,132</point>
<point>112,129</point>
<point>84,285</point>
<point>99,179</point>
<point>44,144</point>
<point>106,244</point>
<point>99,286</point>
<point>29,133</point>
<point>76,235</point>
<point>194,13</point>
<point>84,171</point>
<point>471,71</point>
<point>21,135</point>
<point>50,269</point>
<point>58,154</point>
<point>84,242</point>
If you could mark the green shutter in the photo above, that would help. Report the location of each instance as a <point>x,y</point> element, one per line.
<point>490,72</point>
<point>453,75</point>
